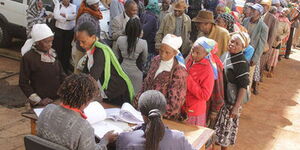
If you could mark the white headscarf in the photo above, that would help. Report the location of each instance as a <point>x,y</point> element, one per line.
<point>175,42</point>
<point>38,33</point>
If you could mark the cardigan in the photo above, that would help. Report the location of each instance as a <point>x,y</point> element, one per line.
<point>67,128</point>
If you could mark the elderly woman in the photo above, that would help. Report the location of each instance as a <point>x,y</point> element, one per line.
<point>101,63</point>
<point>167,74</point>
<point>236,76</point>
<point>40,72</point>
<point>36,14</point>
<point>65,124</point>
<point>153,135</point>
<point>200,81</point>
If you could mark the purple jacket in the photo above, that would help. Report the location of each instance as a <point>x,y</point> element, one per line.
<point>135,140</point>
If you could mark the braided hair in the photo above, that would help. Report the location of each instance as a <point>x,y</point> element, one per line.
<point>152,104</point>
<point>78,90</point>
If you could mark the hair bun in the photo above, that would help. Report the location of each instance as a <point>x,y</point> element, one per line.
<point>154,113</point>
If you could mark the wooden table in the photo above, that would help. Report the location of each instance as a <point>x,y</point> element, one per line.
<point>196,135</point>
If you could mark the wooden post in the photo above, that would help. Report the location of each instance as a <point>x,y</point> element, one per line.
<point>33,126</point>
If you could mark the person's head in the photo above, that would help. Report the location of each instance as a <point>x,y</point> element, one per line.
<point>152,105</point>
<point>179,8</point>
<point>202,47</point>
<point>78,90</point>
<point>86,35</point>
<point>93,4</point>
<point>220,9</point>
<point>42,36</point>
<point>39,4</point>
<point>152,6</point>
<point>266,4</point>
<point>204,21</point>
<point>273,10</point>
<point>66,2</point>
<point>226,21</point>
<point>166,5</point>
<point>276,3</point>
<point>247,10</point>
<point>169,47</point>
<point>133,31</point>
<point>284,12</point>
<point>238,42</point>
<point>131,8</point>
<point>256,11</point>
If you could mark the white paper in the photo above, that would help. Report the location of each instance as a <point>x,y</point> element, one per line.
<point>129,114</point>
<point>95,112</point>
<point>101,128</point>
<point>38,111</point>
<point>113,113</point>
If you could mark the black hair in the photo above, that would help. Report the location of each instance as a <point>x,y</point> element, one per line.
<point>152,104</point>
<point>88,27</point>
<point>133,30</point>
<point>77,90</point>
<point>128,3</point>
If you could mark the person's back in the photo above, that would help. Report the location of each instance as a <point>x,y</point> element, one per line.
<point>172,140</point>
<point>66,127</point>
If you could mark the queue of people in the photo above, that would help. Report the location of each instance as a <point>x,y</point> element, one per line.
<point>151,61</point>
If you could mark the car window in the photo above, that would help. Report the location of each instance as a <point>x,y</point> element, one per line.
<point>19,1</point>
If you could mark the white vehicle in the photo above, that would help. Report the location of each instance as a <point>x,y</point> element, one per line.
<point>13,19</point>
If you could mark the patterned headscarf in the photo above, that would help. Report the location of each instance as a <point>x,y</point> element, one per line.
<point>34,15</point>
<point>209,45</point>
<point>229,19</point>
<point>153,7</point>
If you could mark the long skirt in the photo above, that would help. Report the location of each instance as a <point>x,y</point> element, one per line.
<point>197,120</point>
<point>274,58</point>
<point>226,128</point>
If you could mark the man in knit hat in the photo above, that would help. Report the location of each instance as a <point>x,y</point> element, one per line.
<point>207,27</point>
<point>177,23</point>
<point>258,32</point>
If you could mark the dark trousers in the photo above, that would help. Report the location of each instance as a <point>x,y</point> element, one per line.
<point>62,46</point>
<point>289,43</point>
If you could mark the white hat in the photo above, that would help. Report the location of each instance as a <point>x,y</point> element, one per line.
<point>173,41</point>
<point>38,33</point>
<point>91,2</point>
<point>275,1</point>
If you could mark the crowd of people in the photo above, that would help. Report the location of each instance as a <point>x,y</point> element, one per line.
<point>191,61</point>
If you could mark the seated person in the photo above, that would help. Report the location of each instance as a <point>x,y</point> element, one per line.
<point>153,135</point>
<point>101,63</point>
<point>40,72</point>
<point>65,124</point>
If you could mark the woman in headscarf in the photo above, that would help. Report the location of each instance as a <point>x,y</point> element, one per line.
<point>101,63</point>
<point>89,11</point>
<point>36,14</point>
<point>226,21</point>
<point>149,20</point>
<point>236,76</point>
<point>167,74</point>
<point>283,31</point>
<point>40,72</point>
<point>153,134</point>
<point>202,72</point>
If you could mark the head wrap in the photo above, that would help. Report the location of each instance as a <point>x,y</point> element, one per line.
<point>38,33</point>
<point>34,15</point>
<point>153,7</point>
<point>91,2</point>
<point>209,45</point>
<point>229,19</point>
<point>275,1</point>
<point>243,36</point>
<point>175,42</point>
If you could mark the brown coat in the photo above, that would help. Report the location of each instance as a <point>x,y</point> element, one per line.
<point>271,21</point>
<point>168,26</point>
<point>221,36</point>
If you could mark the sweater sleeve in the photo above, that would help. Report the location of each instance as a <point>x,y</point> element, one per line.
<point>262,41</point>
<point>201,89</point>
<point>87,141</point>
<point>116,28</point>
<point>24,80</point>
<point>176,93</point>
<point>98,67</point>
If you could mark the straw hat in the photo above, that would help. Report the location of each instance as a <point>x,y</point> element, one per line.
<point>180,5</point>
<point>204,16</point>
<point>266,2</point>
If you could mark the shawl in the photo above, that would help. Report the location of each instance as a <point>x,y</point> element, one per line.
<point>84,9</point>
<point>34,16</point>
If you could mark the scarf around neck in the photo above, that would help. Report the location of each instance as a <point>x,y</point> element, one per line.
<point>84,9</point>
<point>48,57</point>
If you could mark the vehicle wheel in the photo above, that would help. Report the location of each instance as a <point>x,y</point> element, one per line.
<point>5,37</point>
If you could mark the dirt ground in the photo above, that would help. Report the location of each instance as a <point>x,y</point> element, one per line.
<point>270,121</point>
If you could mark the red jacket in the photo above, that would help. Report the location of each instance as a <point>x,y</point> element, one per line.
<point>200,83</point>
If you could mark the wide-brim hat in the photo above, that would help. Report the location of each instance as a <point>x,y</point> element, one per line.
<point>204,16</point>
<point>180,5</point>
